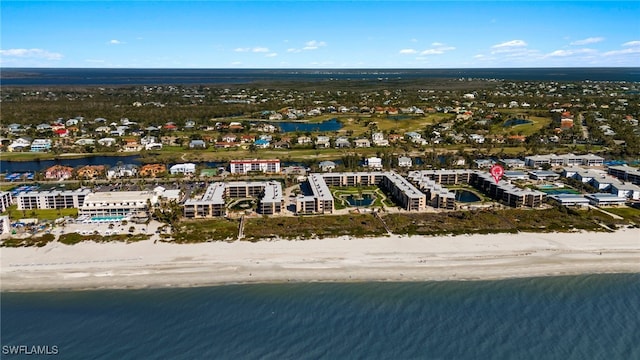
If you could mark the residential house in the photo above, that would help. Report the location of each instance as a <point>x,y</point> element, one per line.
<point>61,132</point>
<point>395,138</point>
<point>374,163</point>
<point>90,172</point>
<point>262,143</point>
<point>41,145</point>
<point>342,142</point>
<point>404,161</point>
<point>327,166</point>
<point>107,141</point>
<point>322,141</point>
<point>15,128</point>
<point>477,138</point>
<point>58,172</point>
<point>103,129</point>
<point>281,145</point>
<point>186,169</point>
<point>189,125</point>
<point>131,144</point>
<point>303,140</point>
<point>153,146</point>
<point>126,170</point>
<point>43,128</point>
<point>152,170</point>
<point>84,142</point>
<point>229,138</point>
<point>379,140</point>
<point>362,143</point>
<point>170,126</point>
<point>413,136</point>
<point>197,144</point>
<point>19,144</point>
<point>247,139</point>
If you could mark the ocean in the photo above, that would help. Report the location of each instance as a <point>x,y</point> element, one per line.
<point>126,77</point>
<point>569,317</point>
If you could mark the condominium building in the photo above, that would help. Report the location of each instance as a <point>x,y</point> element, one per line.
<point>321,201</point>
<point>5,200</point>
<point>564,160</point>
<point>255,165</point>
<point>117,203</point>
<point>213,202</point>
<point>505,192</point>
<point>625,173</point>
<point>52,199</point>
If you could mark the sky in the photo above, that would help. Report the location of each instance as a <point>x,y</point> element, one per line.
<point>319,34</point>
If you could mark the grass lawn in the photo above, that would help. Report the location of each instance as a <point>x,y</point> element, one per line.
<point>41,214</point>
<point>628,213</point>
<point>523,129</point>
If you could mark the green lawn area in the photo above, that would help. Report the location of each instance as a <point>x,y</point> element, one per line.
<point>523,129</point>
<point>41,214</point>
<point>628,213</point>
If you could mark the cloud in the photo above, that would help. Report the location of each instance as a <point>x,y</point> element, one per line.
<point>408,51</point>
<point>30,53</point>
<point>309,45</point>
<point>631,50</point>
<point>632,43</point>
<point>510,44</point>
<point>511,48</point>
<point>313,45</point>
<point>272,54</point>
<point>630,47</point>
<point>257,49</point>
<point>115,42</point>
<point>437,49</point>
<point>590,40</point>
<point>565,53</point>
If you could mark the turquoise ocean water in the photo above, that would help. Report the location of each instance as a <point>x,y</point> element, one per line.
<point>576,317</point>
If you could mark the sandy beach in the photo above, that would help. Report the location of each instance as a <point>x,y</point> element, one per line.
<point>395,258</point>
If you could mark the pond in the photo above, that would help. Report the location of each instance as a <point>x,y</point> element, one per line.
<point>466,196</point>
<point>358,200</point>
<point>514,122</point>
<point>293,126</point>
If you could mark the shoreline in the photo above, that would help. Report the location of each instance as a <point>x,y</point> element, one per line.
<point>143,265</point>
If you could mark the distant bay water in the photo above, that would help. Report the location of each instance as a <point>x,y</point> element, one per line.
<point>574,317</point>
<point>123,77</point>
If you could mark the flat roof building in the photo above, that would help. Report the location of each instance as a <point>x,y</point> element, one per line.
<point>5,200</point>
<point>321,201</point>
<point>569,199</point>
<point>117,203</point>
<point>213,202</point>
<point>604,199</point>
<point>255,165</point>
<point>625,173</point>
<point>51,199</point>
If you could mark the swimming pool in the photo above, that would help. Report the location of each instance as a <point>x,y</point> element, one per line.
<point>107,218</point>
